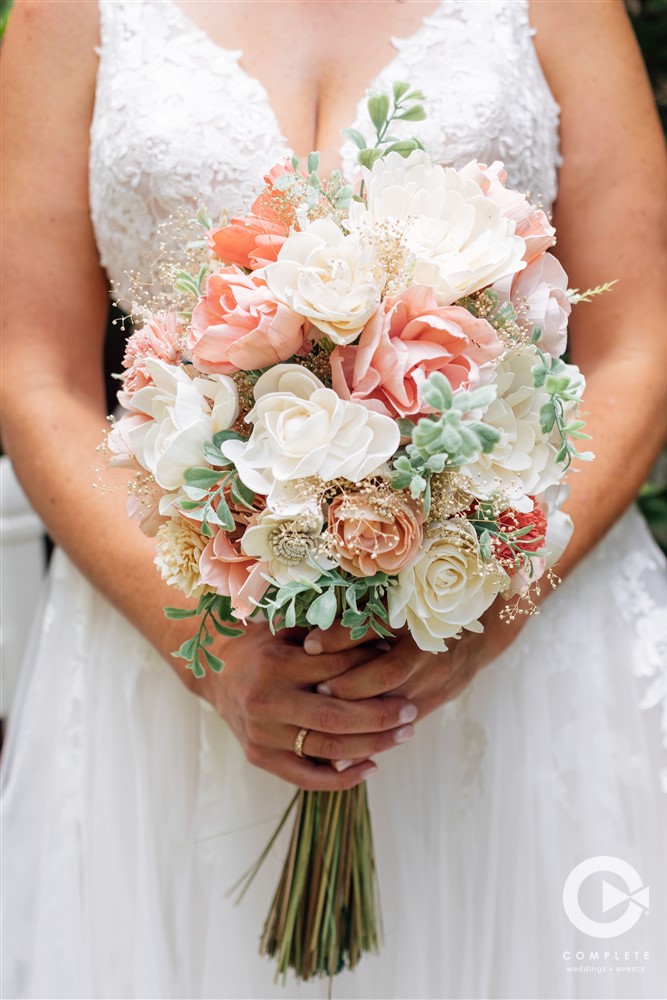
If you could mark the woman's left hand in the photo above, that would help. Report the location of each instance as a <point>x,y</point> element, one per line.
<point>427,679</point>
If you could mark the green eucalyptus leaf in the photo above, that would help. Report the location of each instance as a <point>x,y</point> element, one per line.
<point>548,418</point>
<point>322,612</point>
<point>176,614</point>
<point>225,515</point>
<point>367,157</point>
<point>313,163</point>
<point>201,478</point>
<point>415,114</point>
<point>213,662</point>
<point>404,147</point>
<point>356,137</point>
<point>378,110</point>
<point>400,88</point>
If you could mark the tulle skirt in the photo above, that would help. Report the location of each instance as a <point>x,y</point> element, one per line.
<point>129,811</point>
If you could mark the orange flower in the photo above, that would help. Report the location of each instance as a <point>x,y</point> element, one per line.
<point>254,240</point>
<point>366,540</point>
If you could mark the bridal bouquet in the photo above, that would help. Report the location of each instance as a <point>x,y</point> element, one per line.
<point>356,407</point>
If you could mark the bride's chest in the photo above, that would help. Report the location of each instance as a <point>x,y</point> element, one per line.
<point>178,121</point>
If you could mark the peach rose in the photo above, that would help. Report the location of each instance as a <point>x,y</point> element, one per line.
<point>159,338</point>
<point>367,540</point>
<point>224,567</point>
<point>237,324</point>
<point>531,223</point>
<point>405,340</point>
<point>253,240</point>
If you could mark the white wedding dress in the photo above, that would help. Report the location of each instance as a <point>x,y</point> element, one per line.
<point>128,807</point>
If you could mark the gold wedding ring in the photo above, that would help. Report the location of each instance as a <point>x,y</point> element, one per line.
<point>299,741</point>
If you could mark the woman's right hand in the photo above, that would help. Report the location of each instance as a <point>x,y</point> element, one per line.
<point>266,693</point>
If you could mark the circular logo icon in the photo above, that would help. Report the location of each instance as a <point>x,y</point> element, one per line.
<point>636,897</point>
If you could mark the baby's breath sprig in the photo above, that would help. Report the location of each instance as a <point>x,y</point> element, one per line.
<point>575,296</point>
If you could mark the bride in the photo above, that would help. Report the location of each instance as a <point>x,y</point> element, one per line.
<point>134,796</point>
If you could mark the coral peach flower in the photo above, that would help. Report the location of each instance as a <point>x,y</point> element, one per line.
<point>254,240</point>
<point>231,573</point>
<point>238,324</point>
<point>405,340</point>
<point>367,541</point>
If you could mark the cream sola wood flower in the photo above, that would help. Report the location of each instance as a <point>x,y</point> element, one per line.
<point>446,588</point>
<point>302,429</point>
<point>457,238</point>
<point>523,462</point>
<point>178,551</point>
<point>290,544</point>
<point>332,279</point>
<point>171,419</point>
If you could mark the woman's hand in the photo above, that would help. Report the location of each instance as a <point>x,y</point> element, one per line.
<point>267,693</point>
<point>427,679</point>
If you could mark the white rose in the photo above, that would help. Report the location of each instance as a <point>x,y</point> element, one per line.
<point>303,429</point>
<point>288,545</point>
<point>328,277</point>
<point>539,294</point>
<point>445,590</point>
<point>523,462</point>
<point>182,414</point>
<point>457,236</point>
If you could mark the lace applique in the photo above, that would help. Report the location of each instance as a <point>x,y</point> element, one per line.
<point>177,122</point>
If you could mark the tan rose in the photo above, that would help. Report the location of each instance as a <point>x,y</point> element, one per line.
<point>369,536</point>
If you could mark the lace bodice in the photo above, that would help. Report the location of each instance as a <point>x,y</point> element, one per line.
<point>178,122</point>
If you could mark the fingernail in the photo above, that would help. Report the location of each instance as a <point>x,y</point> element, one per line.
<point>404,734</point>
<point>382,645</point>
<point>371,769</point>
<point>342,765</point>
<point>325,689</point>
<point>312,645</point>
<point>408,713</point>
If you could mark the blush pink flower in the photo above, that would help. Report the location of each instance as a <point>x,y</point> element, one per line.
<point>254,240</point>
<point>539,295</point>
<point>159,338</point>
<point>224,567</point>
<point>531,223</point>
<point>367,540</point>
<point>405,340</point>
<point>238,325</point>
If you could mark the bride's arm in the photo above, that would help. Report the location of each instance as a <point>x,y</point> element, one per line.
<point>611,221</point>
<point>54,308</point>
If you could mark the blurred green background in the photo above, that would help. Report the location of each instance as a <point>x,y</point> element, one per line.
<point>649,19</point>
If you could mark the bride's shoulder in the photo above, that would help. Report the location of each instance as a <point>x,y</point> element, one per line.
<point>49,57</point>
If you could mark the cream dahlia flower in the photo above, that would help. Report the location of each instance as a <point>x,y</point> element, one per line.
<point>330,278</point>
<point>523,462</point>
<point>303,429</point>
<point>455,234</point>
<point>171,419</point>
<point>177,555</point>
